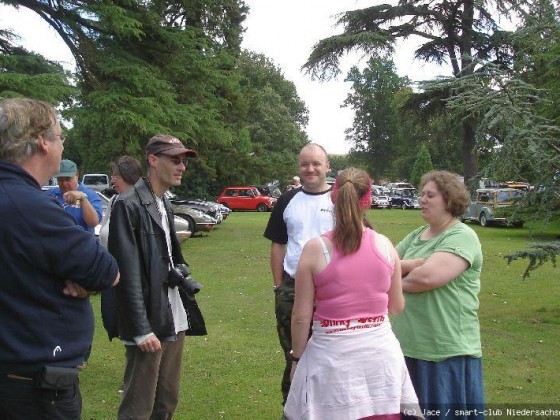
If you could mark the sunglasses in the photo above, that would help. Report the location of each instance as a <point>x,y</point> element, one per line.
<point>176,160</point>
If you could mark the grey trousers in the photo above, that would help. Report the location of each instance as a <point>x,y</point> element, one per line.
<point>152,382</point>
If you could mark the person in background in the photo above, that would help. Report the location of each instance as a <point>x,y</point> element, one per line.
<point>347,281</point>
<point>81,202</point>
<point>299,215</point>
<point>155,307</point>
<point>48,265</point>
<point>126,171</point>
<point>439,329</point>
<point>294,184</point>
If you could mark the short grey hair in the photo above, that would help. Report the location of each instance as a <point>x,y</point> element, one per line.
<point>21,122</point>
<point>128,168</point>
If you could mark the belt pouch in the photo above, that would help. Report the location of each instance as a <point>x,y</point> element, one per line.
<point>55,378</point>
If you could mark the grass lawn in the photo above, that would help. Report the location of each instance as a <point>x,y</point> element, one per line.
<point>234,372</point>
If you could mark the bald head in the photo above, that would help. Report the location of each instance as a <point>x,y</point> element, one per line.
<point>313,168</point>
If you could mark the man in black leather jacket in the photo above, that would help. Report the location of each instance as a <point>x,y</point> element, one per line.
<point>153,317</point>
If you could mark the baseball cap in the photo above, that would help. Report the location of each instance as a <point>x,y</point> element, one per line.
<point>67,169</point>
<point>168,145</point>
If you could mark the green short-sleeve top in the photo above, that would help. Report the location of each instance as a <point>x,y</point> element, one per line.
<point>443,322</point>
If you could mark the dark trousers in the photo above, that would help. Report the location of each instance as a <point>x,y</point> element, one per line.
<point>152,381</point>
<point>284,303</point>
<point>20,399</point>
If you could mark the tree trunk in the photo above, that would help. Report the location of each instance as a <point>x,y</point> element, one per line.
<point>470,163</point>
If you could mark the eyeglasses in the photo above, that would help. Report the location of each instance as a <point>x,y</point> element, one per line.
<point>176,160</point>
<point>62,137</point>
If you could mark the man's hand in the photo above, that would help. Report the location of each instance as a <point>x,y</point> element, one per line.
<point>74,290</point>
<point>73,197</point>
<point>150,344</point>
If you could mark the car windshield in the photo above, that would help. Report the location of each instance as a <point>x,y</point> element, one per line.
<point>95,179</point>
<point>507,196</point>
<point>407,192</point>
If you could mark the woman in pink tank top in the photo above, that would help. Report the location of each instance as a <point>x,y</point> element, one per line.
<point>347,281</point>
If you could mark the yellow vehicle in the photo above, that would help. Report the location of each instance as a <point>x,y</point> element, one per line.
<point>518,185</point>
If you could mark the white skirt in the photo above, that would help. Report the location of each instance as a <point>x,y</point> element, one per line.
<point>349,370</point>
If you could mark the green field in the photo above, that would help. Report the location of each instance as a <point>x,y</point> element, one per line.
<point>234,372</point>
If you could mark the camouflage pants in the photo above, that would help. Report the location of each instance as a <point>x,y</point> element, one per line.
<point>284,303</point>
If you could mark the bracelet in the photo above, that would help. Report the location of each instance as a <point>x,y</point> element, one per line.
<point>294,358</point>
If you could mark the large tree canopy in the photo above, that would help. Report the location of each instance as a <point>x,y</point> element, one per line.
<point>463,34</point>
<point>375,133</point>
<point>147,67</point>
<point>24,73</point>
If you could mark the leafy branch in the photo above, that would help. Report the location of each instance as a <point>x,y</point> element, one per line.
<point>537,254</point>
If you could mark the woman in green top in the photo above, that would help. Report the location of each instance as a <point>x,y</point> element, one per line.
<point>439,329</point>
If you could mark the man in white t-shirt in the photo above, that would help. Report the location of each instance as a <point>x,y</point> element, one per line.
<point>299,215</point>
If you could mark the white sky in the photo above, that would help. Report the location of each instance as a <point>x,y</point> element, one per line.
<point>283,30</point>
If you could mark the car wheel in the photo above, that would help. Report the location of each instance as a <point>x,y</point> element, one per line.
<point>190,221</point>
<point>262,207</point>
<point>483,220</point>
<point>403,206</point>
<point>518,224</point>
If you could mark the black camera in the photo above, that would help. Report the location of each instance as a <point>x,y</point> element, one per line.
<point>180,276</point>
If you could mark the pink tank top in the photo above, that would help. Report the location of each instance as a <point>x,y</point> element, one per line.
<point>354,286</point>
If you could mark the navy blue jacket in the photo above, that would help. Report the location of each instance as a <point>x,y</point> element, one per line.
<point>41,246</point>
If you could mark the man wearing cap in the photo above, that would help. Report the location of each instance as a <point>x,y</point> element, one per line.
<point>48,263</point>
<point>153,317</point>
<point>81,202</point>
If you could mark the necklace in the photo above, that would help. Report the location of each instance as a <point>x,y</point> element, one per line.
<point>154,197</point>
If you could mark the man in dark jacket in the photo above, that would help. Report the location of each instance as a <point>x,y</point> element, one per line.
<point>47,264</point>
<point>153,314</point>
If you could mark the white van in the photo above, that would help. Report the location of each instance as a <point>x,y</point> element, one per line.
<point>98,182</point>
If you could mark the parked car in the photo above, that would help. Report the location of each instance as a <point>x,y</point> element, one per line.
<point>97,182</point>
<point>380,202</point>
<point>487,200</point>
<point>269,190</point>
<point>181,226</point>
<point>198,220</point>
<point>211,208</point>
<point>51,183</point>
<point>379,190</point>
<point>226,211</point>
<point>393,185</point>
<point>246,198</point>
<point>405,198</point>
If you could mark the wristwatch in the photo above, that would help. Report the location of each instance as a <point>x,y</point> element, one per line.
<point>294,359</point>
<point>275,287</point>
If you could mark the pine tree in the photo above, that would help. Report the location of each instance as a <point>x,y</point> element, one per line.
<point>422,164</point>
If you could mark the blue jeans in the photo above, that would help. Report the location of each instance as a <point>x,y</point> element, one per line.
<point>21,399</point>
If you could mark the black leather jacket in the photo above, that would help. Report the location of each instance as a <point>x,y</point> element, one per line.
<point>137,241</point>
